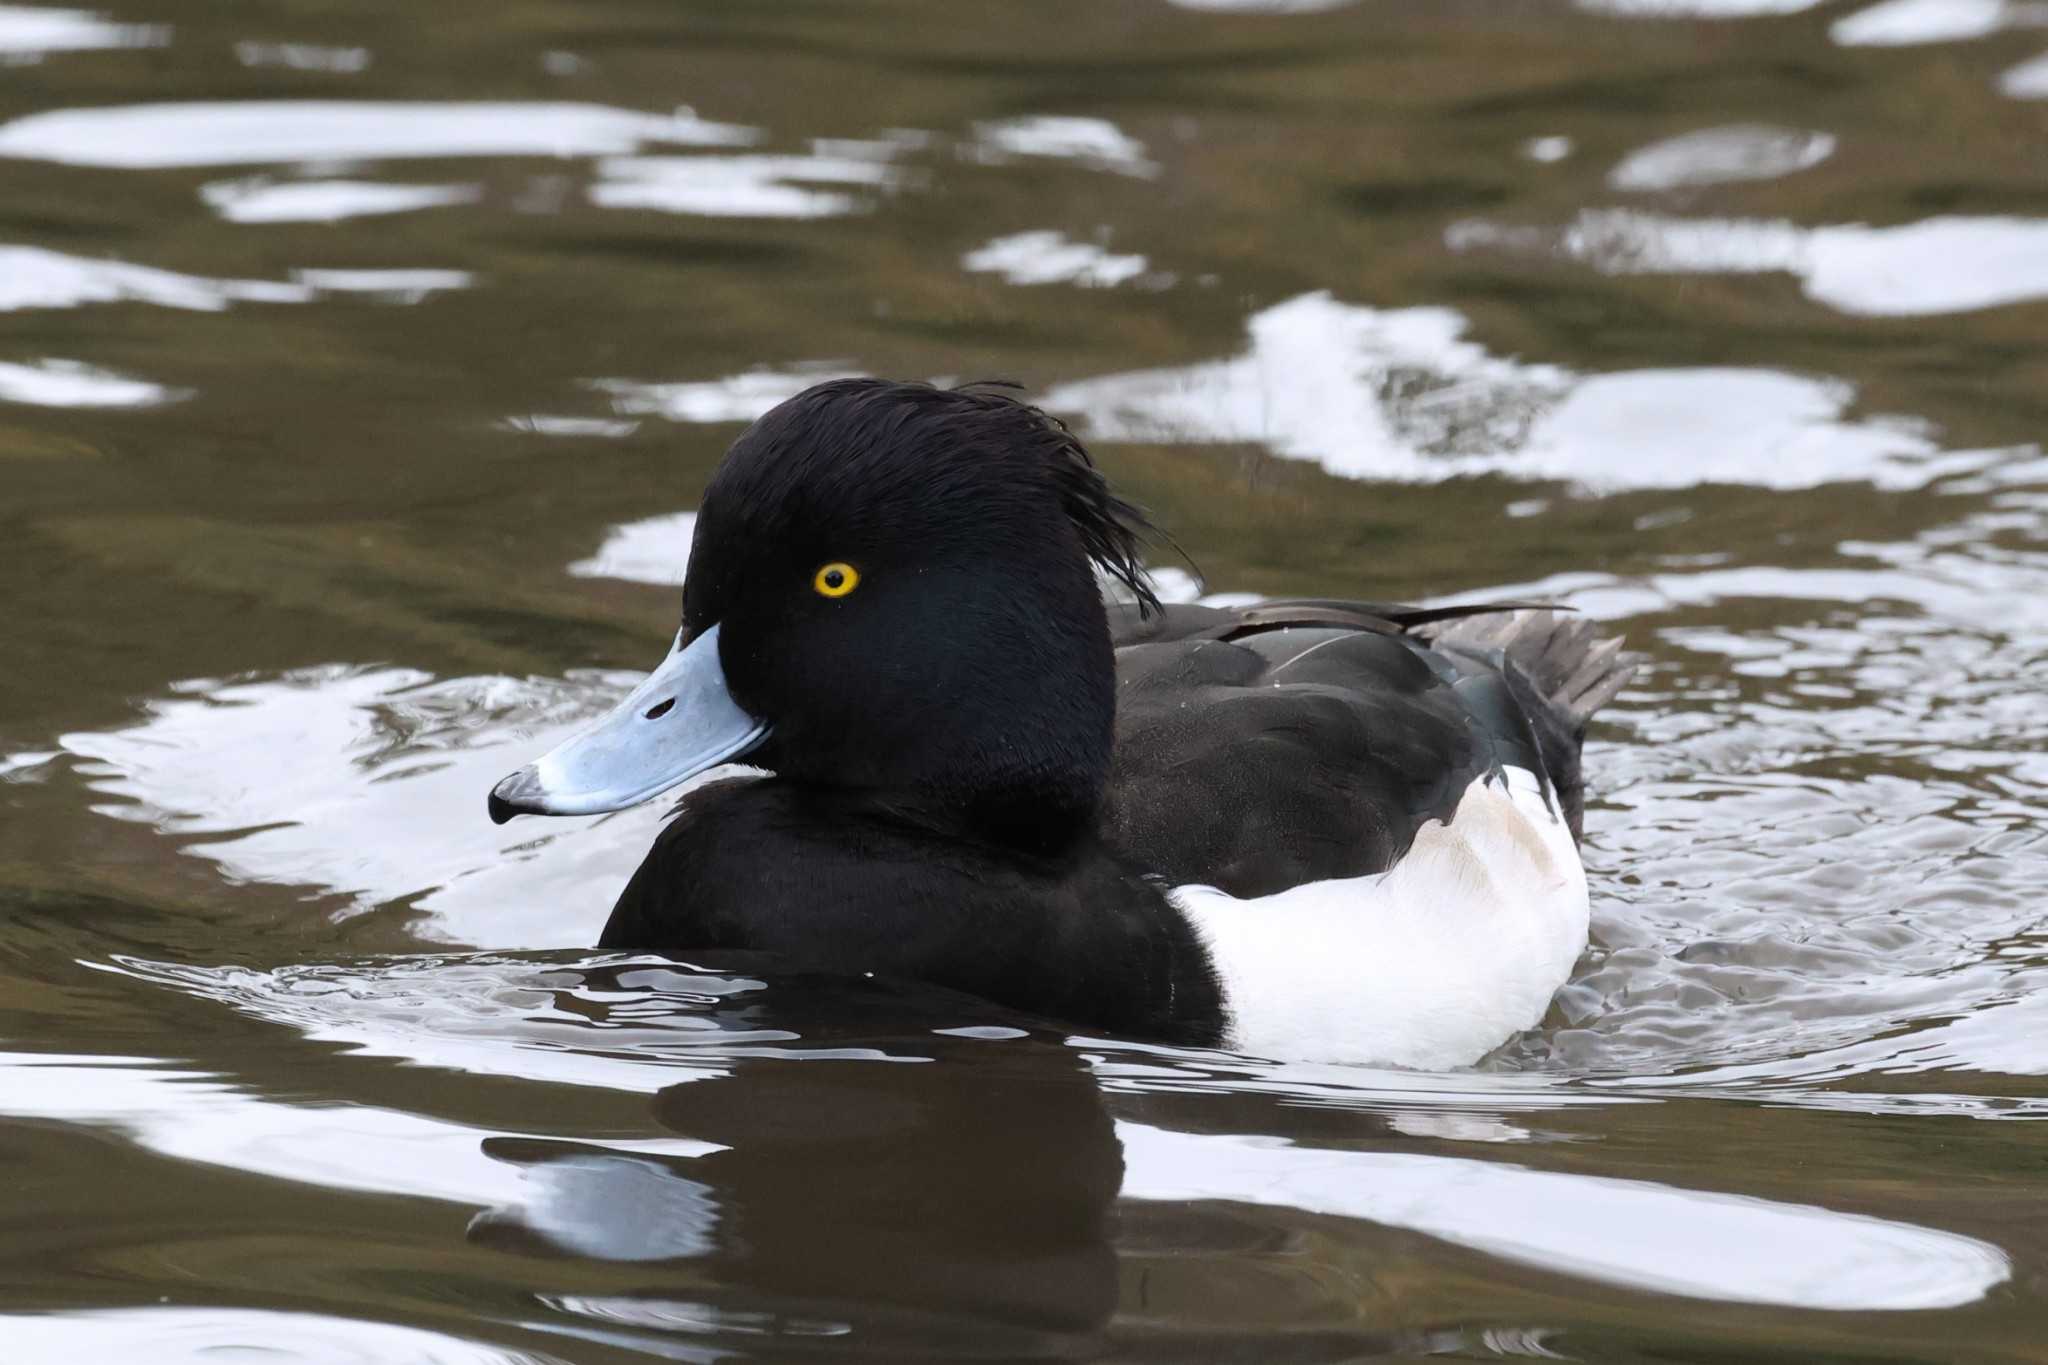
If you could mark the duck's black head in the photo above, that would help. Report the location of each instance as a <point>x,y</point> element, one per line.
<point>899,584</point>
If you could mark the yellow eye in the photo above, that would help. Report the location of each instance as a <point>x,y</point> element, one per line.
<point>836,579</point>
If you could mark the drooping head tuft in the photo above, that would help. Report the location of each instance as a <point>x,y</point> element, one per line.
<point>1113,529</point>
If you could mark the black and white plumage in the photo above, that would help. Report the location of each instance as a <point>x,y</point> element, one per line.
<point>1330,830</point>
<point>1370,813</point>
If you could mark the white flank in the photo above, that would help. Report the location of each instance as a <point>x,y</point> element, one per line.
<point>1431,964</point>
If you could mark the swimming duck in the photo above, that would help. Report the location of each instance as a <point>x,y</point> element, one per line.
<point>1317,830</point>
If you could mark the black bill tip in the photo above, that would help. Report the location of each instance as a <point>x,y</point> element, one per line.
<point>515,795</point>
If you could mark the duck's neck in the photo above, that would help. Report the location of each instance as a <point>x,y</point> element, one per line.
<point>1007,741</point>
<point>1025,821</point>
<point>1029,758</point>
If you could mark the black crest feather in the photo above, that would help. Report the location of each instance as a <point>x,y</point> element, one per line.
<point>1113,530</point>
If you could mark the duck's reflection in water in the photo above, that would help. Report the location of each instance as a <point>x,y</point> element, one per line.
<point>926,1196</point>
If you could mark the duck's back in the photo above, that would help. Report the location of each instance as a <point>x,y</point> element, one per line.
<point>1369,812</point>
<point>1258,748</point>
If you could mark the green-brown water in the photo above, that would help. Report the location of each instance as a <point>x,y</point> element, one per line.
<point>357,363</point>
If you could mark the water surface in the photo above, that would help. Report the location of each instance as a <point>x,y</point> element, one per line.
<point>358,369</point>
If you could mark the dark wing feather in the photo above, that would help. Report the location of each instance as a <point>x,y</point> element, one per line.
<point>1260,747</point>
<point>1133,625</point>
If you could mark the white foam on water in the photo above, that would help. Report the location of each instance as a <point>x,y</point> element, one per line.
<point>261,199</point>
<point>1050,257</point>
<point>2028,80</point>
<point>384,773</point>
<point>1092,142</point>
<point>835,176</point>
<point>651,551</point>
<point>1716,156</point>
<point>1401,394</point>
<point>1908,23</point>
<point>1634,1233</point>
<point>560,424</point>
<point>1696,9</point>
<point>198,1116</point>
<point>24,762</point>
<point>254,132</point>
<point>1937,265</point>
<point>35,31</point>
<point>346,61</point>
<point>752,186</point>
<point>737,398</point>
<point>1263,6</point>
<point>2004,1038</point>
<point>607,1021</point>
<point>74,384</point>
<point>184,1335</point>
<point>35,277</point>
<point>1644,1235</point>
<point>391,286</point>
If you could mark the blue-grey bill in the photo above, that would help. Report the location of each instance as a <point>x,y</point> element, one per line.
<point>678,723</point>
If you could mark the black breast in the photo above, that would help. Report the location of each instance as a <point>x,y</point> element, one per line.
<point>846,883</point>
<point>1253,754</point>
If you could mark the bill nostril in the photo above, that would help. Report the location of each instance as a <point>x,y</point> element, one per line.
<point>660,709</point>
